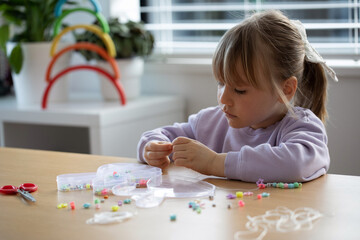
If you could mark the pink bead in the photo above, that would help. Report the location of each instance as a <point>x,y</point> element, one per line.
<point>259,196</point>
<point>262,186</point>
<point>241,203</point>
<point>286,185</point>
<point>248,193</point>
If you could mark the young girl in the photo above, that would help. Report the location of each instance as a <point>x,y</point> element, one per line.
<point>269,122</point>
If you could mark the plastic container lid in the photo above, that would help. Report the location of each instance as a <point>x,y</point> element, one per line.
<point>180,187</point>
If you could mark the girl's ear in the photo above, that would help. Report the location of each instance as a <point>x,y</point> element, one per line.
<point>289,87</point>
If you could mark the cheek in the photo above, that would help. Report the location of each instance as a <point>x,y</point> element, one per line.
<point>220,93</point>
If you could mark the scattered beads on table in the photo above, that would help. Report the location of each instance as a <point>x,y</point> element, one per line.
<point>172,217</point>
<point>239,194</point>
<point>241,203</point>
<point>230,196</point>
<point>86,205</point>
<point>115,208</point>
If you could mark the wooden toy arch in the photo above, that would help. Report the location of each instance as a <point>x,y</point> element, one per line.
<point>87,46</point>
<point>60,3</point>
<point>105,37</point>
<point>104,24</point>
<point>117,84</point>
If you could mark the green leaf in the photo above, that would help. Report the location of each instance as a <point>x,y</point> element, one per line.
<point>4,37</point>
<point>16,59</point>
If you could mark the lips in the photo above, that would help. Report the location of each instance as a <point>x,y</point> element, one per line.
<point>229,115</point>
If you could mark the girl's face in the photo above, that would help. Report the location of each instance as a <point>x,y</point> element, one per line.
<point>247,106</point>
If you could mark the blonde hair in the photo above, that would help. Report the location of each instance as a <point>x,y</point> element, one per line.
<point>268,46</point>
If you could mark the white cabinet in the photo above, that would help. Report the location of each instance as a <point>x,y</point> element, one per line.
<point>86,126</point>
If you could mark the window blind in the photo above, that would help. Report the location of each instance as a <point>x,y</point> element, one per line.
<point>196,26</point>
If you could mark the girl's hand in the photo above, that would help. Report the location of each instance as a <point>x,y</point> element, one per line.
<point>156,153</point>
<point>195,155</point>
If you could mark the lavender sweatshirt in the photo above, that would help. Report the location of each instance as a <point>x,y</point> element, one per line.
<point>293,149</point>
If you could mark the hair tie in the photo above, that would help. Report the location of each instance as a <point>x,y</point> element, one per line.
<point>311,54</point>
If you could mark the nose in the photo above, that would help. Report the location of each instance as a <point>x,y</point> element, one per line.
<point>225,97</point>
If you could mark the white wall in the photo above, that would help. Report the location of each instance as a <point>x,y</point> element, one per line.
<point>197,85</point>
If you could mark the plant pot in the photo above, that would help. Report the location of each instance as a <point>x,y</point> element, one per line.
<point>131,71</point>
<point>30,83</point>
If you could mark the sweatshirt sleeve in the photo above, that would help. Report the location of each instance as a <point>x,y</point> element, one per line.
<point>167,134</point>
<point>301,155</point>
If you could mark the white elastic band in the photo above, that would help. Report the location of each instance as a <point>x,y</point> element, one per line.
<point>280,219</point>
<point>311,54</point>
<point>109,217</point>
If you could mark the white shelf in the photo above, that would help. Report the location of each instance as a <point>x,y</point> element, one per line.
<point>108,127</point>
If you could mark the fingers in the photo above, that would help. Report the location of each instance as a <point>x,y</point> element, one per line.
<point>181,140</point>
<point>161,163</point>
<point>158,146</point>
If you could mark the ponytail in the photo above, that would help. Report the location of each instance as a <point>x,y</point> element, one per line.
<point>312,90</point>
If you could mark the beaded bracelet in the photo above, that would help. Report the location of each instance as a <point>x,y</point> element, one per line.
<point>260,183</point>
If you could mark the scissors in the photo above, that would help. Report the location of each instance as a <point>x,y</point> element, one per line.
<point>24,189</point>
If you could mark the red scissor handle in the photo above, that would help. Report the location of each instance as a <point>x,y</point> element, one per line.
<point>8,189</point>
<point>29,187</point>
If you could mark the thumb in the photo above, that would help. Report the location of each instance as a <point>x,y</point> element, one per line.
<point>181,140</point>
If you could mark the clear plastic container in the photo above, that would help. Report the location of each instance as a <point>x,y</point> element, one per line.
<point>123,174</point>
<point>75,181</point>
<point>180,187</point>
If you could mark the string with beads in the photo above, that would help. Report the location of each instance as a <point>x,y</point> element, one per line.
<point>261,185</point>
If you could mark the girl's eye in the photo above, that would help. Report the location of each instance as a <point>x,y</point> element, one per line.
<point>240,91</point>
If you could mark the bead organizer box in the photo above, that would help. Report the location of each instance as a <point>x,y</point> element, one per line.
<point>123,176</point>
<point>75,181</point>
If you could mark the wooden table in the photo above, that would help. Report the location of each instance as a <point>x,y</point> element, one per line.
<point>335,196</point>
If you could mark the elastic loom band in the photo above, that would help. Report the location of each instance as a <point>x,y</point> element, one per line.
<point>109,217</point>
<point>280,219</point>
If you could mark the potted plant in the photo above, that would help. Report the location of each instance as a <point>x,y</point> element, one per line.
<point>25,38</point>
<point>132,43</point>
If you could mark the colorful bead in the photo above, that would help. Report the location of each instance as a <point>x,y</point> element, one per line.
<point>239,194</point>
<point>115,208</point>
<point>261,186</point>
<point>241,203</point>
<point>211,197</point>
<point>102,200</point>
<point>127,201</point>
<point>97,206</point>
<point>86,205</point>
<point>59,206</point>
<point>104,191</point>
<point>265,194</point>
<point>248,193</point>
<point>120,203</point>
<point>259,196</point>
<point>172,217</point>
<point>106,196</point>
<point>286,185</point>
<point>96,201</point>
<point>229,206</point>
<point>88,186</point>
<point>290,185</point>
<point>296,184</point>
<point>72,205</point>
<point>214,205</point>
<point>231,196</point>
<point>198,210</point>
